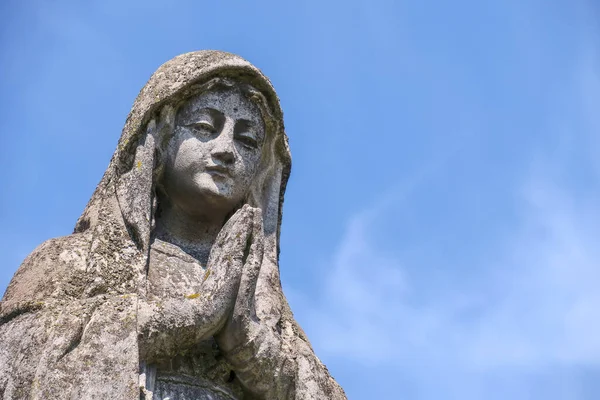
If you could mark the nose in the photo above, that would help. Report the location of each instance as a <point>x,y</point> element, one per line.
<point>223,148</point>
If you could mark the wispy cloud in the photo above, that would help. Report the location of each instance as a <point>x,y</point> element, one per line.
<point>534,308</point>
<point>535,305</point>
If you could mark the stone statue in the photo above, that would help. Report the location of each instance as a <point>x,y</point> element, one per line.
<point>169,286</point>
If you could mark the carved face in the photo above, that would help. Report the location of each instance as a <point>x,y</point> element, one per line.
<point>214,153</point>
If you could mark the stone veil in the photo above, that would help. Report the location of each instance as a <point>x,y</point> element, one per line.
<point>70,318</point>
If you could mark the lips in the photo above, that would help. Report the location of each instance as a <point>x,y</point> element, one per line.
<point>218,171</point>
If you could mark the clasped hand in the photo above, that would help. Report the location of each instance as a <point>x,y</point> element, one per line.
<point>224,306</point>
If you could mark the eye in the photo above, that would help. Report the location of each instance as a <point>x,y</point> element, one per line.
<point>202,126</point>
<point>247,141</point>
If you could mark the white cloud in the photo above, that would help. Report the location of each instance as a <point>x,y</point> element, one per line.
<point>536,305</point>
<point>550,311</point>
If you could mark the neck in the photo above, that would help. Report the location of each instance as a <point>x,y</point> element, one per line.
<point>193,234</point>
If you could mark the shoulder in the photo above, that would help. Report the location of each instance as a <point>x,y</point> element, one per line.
<point>54,270</point>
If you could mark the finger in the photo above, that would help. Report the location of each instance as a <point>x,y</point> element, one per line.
<point>234,228</point>
<point>226,256</point>
<point>225,265</point>
<point>244,305</point>
<point>226,229</point>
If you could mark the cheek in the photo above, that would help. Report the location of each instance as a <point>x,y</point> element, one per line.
<point>186,152</point>
<point>247,166</point>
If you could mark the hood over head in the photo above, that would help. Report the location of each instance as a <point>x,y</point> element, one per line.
<point>120,213</point>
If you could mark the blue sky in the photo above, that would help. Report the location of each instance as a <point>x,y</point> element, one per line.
<point>441,225</point>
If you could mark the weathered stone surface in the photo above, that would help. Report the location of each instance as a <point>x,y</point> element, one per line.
<point>169,287</point>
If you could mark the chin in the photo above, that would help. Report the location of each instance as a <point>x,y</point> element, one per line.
<point>206,185</point>
<point>217,195</point>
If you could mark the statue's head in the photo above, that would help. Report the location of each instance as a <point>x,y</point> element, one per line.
<point>205,133</point>
<point>215,148</point>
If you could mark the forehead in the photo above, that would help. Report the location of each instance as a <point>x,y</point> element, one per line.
<point>229,101</point>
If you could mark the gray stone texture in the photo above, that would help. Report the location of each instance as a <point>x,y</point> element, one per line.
<point>169,287</point>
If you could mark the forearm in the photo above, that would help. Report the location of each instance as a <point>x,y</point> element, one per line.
<point>167,327</point>
<point>262,365</point>
<point>272,368</point>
